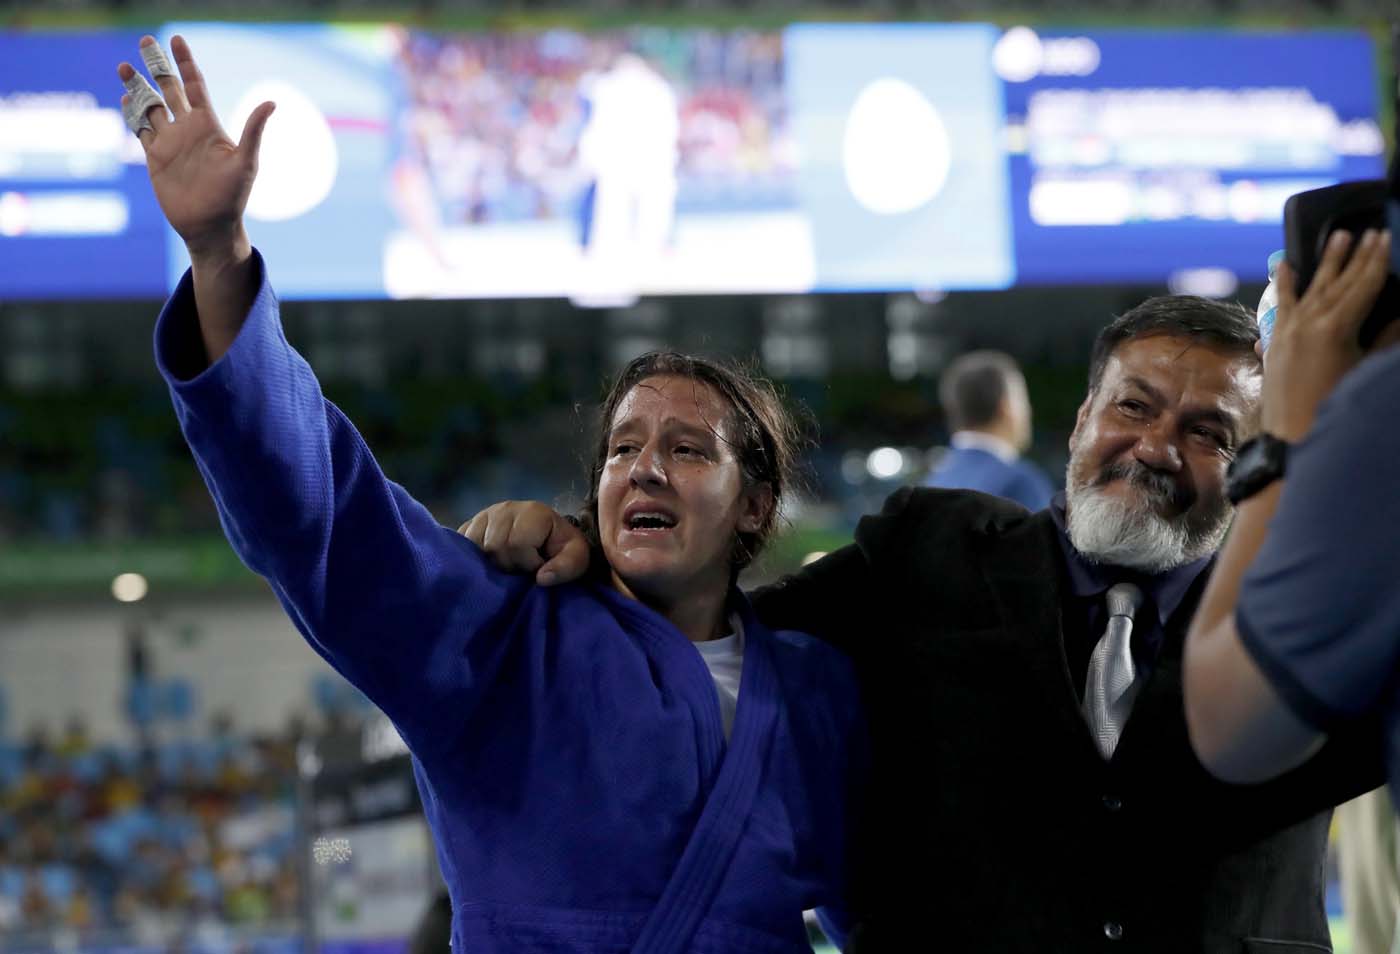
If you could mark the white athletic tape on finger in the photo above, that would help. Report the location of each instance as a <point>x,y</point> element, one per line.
<point>141,99</point>
<point>157,64</point>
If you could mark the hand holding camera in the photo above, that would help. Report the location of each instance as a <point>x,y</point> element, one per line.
<point>1317,337</point>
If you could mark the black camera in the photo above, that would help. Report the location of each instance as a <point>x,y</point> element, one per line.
<point>1310,218</point>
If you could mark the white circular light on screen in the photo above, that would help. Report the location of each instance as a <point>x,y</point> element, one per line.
<point>297,162</point>
<point>1018,55</point>
<point>129,588</point>
<point>884,463</point>
<point>896,152</point>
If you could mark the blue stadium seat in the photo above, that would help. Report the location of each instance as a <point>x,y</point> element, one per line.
<point>58,882</point>
<point>11,882</point>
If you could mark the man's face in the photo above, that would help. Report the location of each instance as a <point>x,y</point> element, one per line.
<point>1150,449</point>
<point>671,496</point>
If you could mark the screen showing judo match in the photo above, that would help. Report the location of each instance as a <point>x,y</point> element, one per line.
<point>404,163</point>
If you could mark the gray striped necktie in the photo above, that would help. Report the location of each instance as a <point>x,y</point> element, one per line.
<point>1112,682</point>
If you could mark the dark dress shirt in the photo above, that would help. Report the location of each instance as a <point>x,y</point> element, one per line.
<point>1083,611</point>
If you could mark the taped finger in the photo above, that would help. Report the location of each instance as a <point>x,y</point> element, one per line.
<point>163,72</point>
<point>140,99</point>
<point>156,62</point>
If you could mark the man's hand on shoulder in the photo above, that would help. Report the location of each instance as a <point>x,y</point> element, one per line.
<point>525,536</point>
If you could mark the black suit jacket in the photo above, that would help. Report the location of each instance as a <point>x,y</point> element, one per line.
<point>993,824</point>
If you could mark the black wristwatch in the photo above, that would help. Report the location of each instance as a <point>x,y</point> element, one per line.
<point>1260,462</point>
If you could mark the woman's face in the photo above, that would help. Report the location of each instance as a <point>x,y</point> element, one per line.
<point>671,496</point>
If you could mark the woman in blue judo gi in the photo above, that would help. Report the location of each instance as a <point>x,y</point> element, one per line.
<point>585,785</point>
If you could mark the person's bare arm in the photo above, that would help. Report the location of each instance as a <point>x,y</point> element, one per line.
<point>1241,728</point>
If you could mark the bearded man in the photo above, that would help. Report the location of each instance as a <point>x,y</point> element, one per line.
<point>1033,786</point>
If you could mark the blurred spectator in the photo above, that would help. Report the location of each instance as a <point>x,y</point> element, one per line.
<point>75,739</point>
<point>1369,861</point>
<point>196,835</point>
<point>989,414</point>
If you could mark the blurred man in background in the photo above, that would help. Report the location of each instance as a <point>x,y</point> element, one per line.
<point>988,410</point>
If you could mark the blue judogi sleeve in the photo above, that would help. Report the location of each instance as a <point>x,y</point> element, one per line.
<point>567,742</point>
<point>1320,608</point>
<point>399,605</point>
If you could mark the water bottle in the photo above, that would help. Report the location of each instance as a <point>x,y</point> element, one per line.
<point>1268,302</point>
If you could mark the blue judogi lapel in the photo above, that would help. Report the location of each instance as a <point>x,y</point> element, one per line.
<point>707,855</point>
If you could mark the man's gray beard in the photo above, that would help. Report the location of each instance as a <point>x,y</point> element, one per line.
<point>1112,530</point>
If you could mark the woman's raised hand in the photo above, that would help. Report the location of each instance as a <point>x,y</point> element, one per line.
<point>200,176</point>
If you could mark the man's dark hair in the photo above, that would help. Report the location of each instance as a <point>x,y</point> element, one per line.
<point>764,437</point>
<point>1226,325</point>
<point>973,386</point>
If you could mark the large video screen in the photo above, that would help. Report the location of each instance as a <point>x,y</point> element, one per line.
<point>601,165</point>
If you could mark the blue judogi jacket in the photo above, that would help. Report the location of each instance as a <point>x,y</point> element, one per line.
<point>567,742</point>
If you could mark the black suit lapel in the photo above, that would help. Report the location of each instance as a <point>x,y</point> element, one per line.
<point>1022,566</point>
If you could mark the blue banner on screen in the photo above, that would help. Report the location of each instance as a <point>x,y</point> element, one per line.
<point>603,165</point>
<point>1138,154</point>
<point>76,214</point>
